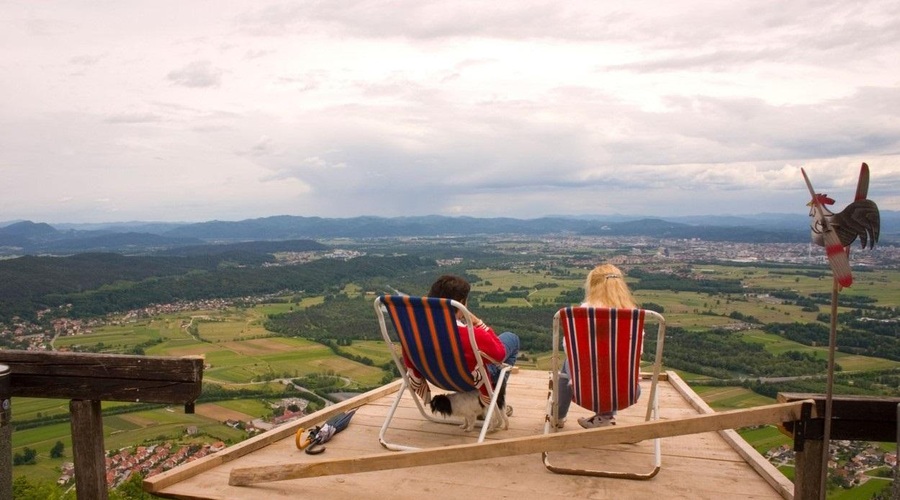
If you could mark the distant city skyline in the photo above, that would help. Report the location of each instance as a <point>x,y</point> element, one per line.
<point>193,111</point>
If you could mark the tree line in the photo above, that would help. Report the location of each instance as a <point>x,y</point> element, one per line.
<point>877,339</point>
<point>98,284</point>
<point>725,355</point>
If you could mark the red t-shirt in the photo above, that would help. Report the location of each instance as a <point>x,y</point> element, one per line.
<point>487,341</point>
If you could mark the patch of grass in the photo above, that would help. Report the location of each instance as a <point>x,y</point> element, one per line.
<point>275,308</point>
<point>788,471</point>
<point>730,397</point>
<point>30,408</point>
<point>372,349</point>
<point>854,363</point>
<point>848,362</point>
<point>765,438</point>
<point>42,439</point>
<point>114,338</point>
<point>861,492</point>
<point>253,407</point>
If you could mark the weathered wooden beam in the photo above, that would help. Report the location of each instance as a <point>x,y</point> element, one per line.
<point>520,446</point>
<point>855,418</point>
<point>104,377</point>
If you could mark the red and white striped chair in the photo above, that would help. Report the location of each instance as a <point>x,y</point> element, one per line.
<point>603,347</point>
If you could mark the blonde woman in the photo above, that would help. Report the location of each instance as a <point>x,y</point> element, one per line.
<point>604,287</point>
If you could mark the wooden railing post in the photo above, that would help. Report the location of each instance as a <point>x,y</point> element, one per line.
<point>808,470</point>
<point>5,434</point>
<point>87,445</point>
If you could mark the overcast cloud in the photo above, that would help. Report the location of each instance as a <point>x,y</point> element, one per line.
<point>197,110</point>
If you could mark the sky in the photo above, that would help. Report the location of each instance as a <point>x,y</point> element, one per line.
<point>189,111</point>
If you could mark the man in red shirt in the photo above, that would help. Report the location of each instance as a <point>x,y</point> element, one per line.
<point>503,347</point>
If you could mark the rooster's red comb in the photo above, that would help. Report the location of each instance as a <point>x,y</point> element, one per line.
<point>823,199</point>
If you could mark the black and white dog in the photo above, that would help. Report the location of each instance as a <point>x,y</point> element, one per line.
<point>468,405</point>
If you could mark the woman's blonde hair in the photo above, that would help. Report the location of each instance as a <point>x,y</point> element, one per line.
<point>605,287</point>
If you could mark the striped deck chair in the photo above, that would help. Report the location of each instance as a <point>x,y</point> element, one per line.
<point>603,347</point>
<point>430,341</point>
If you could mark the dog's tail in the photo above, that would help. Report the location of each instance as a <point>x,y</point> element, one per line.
<point>441,404</point>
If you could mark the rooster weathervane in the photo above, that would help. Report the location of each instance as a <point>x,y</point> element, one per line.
<point>836,231</point>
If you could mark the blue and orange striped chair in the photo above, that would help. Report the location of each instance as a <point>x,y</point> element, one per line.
<point>603,347</point>
<point>429,340</point>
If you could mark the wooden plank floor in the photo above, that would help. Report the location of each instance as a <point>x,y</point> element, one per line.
<point>695,466</point>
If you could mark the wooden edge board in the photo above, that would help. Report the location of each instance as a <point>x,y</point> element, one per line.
<point>770,473</point>
<point>521,446</point>
<point>160,481</point>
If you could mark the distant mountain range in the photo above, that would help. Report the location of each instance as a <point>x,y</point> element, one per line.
<point>26,237</point>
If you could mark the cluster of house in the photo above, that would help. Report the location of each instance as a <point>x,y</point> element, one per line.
<point>145,460</point>
<point>154,459</point>
<point>22,334</point>
<point>294,258</point>
<point>851,461</point>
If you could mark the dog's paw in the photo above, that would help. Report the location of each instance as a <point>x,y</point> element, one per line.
<point>501,422</point>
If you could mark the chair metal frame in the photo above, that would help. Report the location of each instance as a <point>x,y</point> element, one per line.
<point>429,315</point>
<point>635,327</point>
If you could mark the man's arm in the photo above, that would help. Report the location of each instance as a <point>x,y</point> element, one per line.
<point>488,342</point>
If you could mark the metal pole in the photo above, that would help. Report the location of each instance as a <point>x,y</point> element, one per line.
<point>829,391</point>
<point>5,434</point>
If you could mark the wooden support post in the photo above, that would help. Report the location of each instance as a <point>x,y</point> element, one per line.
<point>87,445</point>
<point>808,470</point>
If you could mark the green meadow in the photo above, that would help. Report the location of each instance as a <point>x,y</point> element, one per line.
<point>848,362</point>
<point>372,349</point>
<point>765,438</point>
<point>730,397</point>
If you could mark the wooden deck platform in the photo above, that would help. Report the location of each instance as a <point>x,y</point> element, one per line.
<point>711,465</point>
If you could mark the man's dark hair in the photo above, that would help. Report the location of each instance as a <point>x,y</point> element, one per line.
<point>449,286</point>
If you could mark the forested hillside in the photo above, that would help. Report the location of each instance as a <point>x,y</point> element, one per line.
<point>96,284</point>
